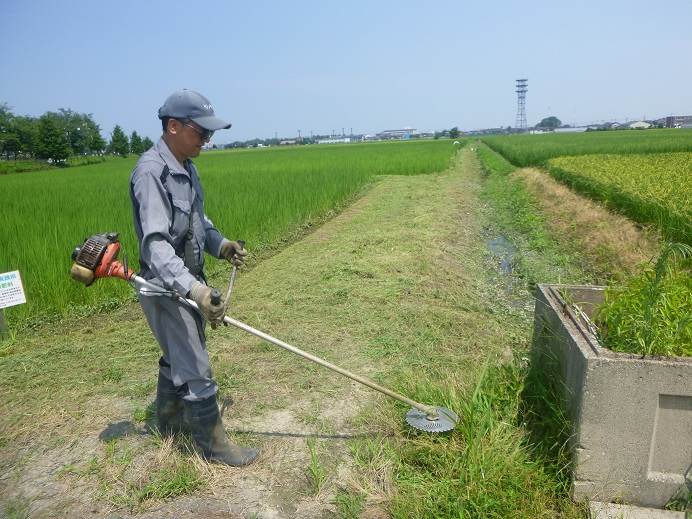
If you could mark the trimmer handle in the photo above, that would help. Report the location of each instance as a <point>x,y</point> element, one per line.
<point>215,297</point>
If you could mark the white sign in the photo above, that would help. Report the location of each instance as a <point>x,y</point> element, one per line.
<point>11,290</point>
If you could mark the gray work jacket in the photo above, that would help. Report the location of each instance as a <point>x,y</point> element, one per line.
<point>165,195</point>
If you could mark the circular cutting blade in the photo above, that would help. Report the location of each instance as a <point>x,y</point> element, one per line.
<point>445,421</point>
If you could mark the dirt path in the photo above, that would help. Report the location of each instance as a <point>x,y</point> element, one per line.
<point>387,274</point>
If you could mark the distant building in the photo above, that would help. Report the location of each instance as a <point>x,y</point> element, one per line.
<point>639,125</point>
<point>287,142</point>
<point>335,140</point>
<point>571,129</point>
<point>404,133</point>
<point>678,121</point>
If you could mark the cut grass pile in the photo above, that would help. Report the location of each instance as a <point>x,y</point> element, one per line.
<point>261,196</point>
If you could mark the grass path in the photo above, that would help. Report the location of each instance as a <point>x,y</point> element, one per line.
<point>398,287</point>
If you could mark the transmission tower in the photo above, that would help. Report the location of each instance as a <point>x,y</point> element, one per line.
<point>522,88</point>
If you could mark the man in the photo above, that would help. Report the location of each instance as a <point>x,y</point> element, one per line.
<point>174,233</point>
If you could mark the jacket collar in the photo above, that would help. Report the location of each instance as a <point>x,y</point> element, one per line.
<point>173,165</point>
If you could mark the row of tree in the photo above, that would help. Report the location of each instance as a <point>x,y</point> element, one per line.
<point>121,145</point>
<point>57,135</point>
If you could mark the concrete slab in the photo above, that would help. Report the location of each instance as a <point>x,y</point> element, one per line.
<point>632,416</point>
<point>613,511</point>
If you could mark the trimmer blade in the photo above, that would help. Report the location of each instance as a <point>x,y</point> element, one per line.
<point>446,420</point>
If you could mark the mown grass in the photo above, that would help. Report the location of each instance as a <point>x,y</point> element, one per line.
<point>131,478</point>
<point>261,196</point>
<point>399,288</point>
<point>18,507</point>
<point>507,455</point>
<point>535,150</point>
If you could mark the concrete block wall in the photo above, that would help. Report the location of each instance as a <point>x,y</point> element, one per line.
<point>632,416</point>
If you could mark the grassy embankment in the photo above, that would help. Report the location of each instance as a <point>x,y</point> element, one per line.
<point>28,165</point>
<point>542,255</point>
<point>401,288</point>
<point>262,196</point>
<point>650,187</point>
<point>535,150</point>
<point>655,188</point>
<point>635,173</point>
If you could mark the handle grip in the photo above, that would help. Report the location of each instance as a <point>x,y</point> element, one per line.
<point>241,243</point>
<point>215,297</point>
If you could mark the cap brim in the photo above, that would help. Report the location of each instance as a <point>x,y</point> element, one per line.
<point>211,123</point>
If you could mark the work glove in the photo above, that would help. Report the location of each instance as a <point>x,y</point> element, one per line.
<point>233,252</point>
<point>201,294</point>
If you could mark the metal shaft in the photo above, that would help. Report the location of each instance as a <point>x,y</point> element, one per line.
<point>227,299</point>
<point>430,411</point>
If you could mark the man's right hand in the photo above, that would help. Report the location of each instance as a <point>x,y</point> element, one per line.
<point>201,294</point>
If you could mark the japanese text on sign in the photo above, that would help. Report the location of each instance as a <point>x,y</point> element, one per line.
<point>11,289</point>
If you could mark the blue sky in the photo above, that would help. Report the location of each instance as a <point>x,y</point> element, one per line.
<point>322,66</point>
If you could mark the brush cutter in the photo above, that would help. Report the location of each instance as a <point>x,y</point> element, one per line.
<point>97,258</point>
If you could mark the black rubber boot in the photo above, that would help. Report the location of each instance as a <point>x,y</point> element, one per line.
<point>205,425</point>
<point>169,408</point>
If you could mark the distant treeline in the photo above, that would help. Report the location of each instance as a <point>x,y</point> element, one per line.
<point>56,136</point>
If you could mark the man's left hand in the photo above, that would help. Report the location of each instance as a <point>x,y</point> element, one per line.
<point>233,252</point>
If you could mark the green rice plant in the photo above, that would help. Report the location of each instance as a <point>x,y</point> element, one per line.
<point>653,188</point>
<point>535,150</point>
<point>261,195</point>
<point>652,313</point>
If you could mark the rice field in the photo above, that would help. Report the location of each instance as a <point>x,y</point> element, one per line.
<point>651,188</point>
<point>260,195</point>
<point>534,150</point>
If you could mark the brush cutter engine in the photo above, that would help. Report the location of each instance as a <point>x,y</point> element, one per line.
<point>97,258</point>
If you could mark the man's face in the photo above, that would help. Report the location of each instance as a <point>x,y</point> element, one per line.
<point>188,137</point>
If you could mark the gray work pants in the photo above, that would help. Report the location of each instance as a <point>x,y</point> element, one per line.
<point>179,331</point>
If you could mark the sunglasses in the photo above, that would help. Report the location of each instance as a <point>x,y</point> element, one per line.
<point>205,135</point>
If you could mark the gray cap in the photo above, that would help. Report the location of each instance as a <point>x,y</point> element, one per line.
<point>188,104</point>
